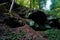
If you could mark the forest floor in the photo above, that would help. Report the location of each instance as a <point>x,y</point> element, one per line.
<point>30,34</point>
<point>26,33</point>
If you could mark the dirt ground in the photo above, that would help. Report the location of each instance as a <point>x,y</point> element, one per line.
<point>30,33</point>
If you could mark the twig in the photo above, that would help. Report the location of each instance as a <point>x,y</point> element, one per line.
<point>3,3</point>
<point>11,6</point>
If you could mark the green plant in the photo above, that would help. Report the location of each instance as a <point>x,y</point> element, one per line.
<point>8,35</point>
<point>53,34</point>
<point>21,33</point>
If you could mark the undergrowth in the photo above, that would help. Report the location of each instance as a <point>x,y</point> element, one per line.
<point>53,34</point>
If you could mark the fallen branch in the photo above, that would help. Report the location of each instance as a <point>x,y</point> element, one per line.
<point>3,3</point>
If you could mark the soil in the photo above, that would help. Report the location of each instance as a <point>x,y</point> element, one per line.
<point>30,33</point>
